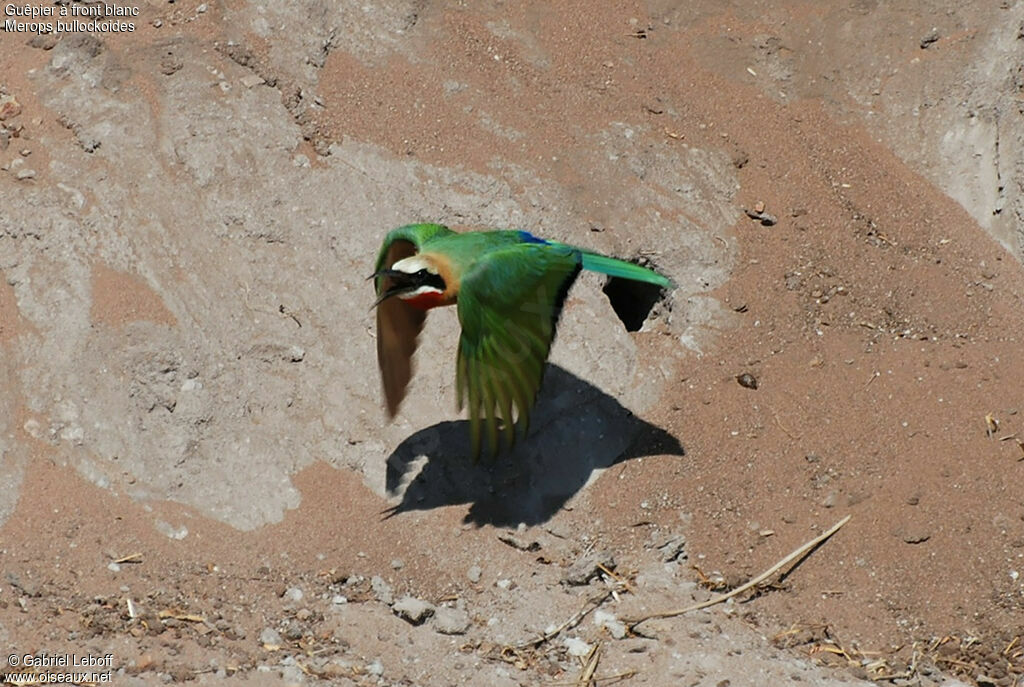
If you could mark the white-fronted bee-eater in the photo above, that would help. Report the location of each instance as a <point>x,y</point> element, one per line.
<point>509,288</point>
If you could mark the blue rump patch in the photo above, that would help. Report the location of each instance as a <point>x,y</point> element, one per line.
<point>527,237</point>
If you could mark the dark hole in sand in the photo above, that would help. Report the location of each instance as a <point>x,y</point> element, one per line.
<point>632,300</point>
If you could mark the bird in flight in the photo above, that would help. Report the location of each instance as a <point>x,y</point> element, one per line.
<point>509,287</point>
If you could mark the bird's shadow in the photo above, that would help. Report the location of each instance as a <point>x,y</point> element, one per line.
<point>576,429</point>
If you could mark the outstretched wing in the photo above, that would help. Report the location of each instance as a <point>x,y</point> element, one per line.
<point>398,323</point>
<point>509,304</point>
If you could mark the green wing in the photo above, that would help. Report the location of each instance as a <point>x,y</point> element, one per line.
<point>398,323</point>
<point>509,303</point>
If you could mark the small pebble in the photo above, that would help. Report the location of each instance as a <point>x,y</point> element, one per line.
<point>412,609</point>
<point>293,594</point>
<point>474,574</point>
<point>616,628</point>
<point>588,567</point>
<point>294,631</point>
<point>271,637</point>
<point>915,536</point>
<point>451,621</point>
<point>381,589</point>
<point>23,174</point>
<point>576,646</point>
<point>397,564</point>
<point>747,380</point>
<point>251,80</point>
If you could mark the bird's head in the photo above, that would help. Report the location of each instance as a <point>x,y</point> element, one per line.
<point>410,279</point>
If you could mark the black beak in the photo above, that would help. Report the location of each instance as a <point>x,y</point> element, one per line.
<point>386,273</point>
<point>401,282</point>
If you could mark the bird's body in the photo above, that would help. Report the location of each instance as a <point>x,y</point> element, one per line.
<point>509,287</point>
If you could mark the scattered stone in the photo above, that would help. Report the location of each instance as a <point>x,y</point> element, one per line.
<point>673,549</point>
<point>830,499</point>
<point>170,63</point>
<point>616,628</point>
<point>202,8</point>
<point>586,568</point>
<point>929,38</point>
<point>271,639</point>
<point>9,107</point>
<point>293,594</point>
<point>766,219</point>
<point>252,80</point>
<point>43,41</point>
<point>451,621</point>
<point>25,586</point>
<point>397,564</point>
<point>576,647</point>
<point>413,610</point>
<point>375,668</point>
<point>474,574</point>
<point>23,174</point>
<point>381,589</point>
<point>339,600</point>
<point>504,584</point>
<point>294,631</point>
<point>747,380</point>
<point>914,535</point>
<point>143,663</point>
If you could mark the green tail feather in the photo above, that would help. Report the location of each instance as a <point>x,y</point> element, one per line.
<point>614,267</point>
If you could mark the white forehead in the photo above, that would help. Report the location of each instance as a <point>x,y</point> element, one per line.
<point>413,264</point>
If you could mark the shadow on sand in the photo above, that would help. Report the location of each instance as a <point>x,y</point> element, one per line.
<point>576,429</point>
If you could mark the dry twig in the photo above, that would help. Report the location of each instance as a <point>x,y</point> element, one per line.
<point>589,667</point>
<point>593,603</point>
<point>796,555</point>
<point>130,558</point>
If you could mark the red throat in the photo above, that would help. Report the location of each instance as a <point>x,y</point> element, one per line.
<point>426,301</point>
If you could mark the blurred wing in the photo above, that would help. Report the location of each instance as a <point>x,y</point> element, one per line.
<point>509,304</point>
<point>398,323</point>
